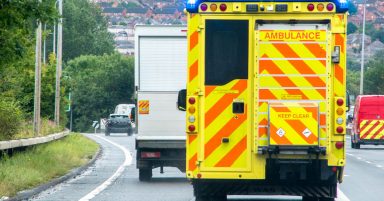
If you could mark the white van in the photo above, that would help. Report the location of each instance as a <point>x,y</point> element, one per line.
<point>124,109</point>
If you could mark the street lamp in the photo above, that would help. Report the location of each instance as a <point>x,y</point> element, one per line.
<point>362,53</point>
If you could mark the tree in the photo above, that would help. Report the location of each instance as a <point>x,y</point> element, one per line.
<point>98,84</point>
<point>352,8</point>
<point>378,35</point>
<point>353,82</point>
<point>17,24</point>
<point>374,75</point>
<point>352,64</point>
<point>84,30</point>
<point>352,28</point>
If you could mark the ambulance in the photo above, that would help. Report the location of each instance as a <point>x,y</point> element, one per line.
<point>266,98</point>
<point>368,121</point>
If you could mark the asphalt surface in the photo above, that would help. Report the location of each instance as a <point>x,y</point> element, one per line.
<point>114,177</point>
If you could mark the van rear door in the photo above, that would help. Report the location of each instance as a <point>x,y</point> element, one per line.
<point>371,118</point>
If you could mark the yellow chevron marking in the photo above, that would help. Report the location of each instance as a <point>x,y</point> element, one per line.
<point>222,150</point>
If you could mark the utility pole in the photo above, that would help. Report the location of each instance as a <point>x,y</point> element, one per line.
<point>59,63</point>
<point>54,32</point>
<point>54,38</point>
<point>362,53</point>
<point>37,95</point>
<point>45,37</point>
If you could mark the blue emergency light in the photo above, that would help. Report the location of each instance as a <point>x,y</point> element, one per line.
<point>193,5</point>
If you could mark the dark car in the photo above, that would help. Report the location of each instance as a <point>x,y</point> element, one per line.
<point>118,123</point>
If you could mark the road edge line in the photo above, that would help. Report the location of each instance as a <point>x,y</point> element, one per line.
<point>26,194</point>
<point>341,196</point>
<point>117,174</point>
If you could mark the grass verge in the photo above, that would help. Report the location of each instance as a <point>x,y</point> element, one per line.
<point>26,130</point>
<point>40,164</point>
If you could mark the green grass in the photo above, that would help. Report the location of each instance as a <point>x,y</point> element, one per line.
<point>26,130</point>
<point>42,163</point>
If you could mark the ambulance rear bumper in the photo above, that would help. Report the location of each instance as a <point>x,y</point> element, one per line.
<point>299,150</point>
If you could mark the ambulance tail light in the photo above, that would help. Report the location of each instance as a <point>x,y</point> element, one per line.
<point>320,7</point>
<point>334,169</point>
<point>191,128</point>
<point>311,7</point>
<point>192,114</point>
<point>339,117</point>
<point>339,145</point>
<point>213,7</point>
<point>330,7</point>
<point>339,129</point>
<point>340,102</point>
<point>192,100</point>
<point>223,7</point>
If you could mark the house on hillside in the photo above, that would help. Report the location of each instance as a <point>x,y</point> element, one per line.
<point>354,40</point>
<point>374,48</point>
<point>110,11</point>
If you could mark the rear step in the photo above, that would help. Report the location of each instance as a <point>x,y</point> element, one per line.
<point>292,150</point>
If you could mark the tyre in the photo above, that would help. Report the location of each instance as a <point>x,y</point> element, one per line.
<point>145,174</point>
<point>357,145</point>
<point>107,133</point>
<point>130,131</point>
<point>212,198</point>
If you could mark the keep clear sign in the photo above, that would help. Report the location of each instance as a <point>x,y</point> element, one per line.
<point>291,115</point>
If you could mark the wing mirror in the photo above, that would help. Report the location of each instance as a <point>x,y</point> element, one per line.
<point>182,100</point>
<point>348,101</point>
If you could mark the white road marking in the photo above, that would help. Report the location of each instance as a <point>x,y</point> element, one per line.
<point>359,158</point>
<point>379,166</point>
<point>110,180</point>
<point>368,162</point>
<point>341,196</point>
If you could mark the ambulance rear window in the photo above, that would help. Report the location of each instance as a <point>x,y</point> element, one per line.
<point>226,51</point>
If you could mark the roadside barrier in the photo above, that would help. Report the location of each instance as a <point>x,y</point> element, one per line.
<point>12,144</point>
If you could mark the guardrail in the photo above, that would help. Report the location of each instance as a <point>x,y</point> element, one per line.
<point>11,144</point>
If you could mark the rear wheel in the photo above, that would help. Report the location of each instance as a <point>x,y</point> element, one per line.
<point>352,144</point>
<point>130,131</point>
<point>357,145</point>
<point>145,174</point>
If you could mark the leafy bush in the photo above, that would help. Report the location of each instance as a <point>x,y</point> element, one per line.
<point>11,118</point>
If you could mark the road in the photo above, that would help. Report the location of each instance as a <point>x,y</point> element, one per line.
<point>114,177</point>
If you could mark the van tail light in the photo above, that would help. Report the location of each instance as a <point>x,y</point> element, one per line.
<point>150,154</point>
